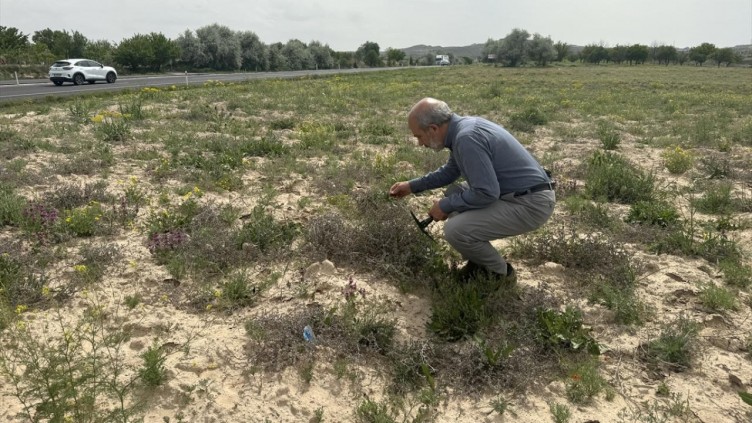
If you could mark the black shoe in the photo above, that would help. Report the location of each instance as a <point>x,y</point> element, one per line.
<point>511,277</point>
<point>471,271</point>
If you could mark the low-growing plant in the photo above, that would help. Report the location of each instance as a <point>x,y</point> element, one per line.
<point>673,347</point>
<point>654,212</point>
<point>114,129</point>
<point>70,371</point>
<point>736,274</point>
<point>560,412</point>
<point>85,221</point>
<point>717,298</point>
<point>265,233</point>
<point>11,206</point>
<point>81,110</point>
<point>584,383</point>
<point>716,200</point>
<point>565,331</point>
<point>609,136</point>
<point>458,310</point>
<point>716,166</point>
<point>132,108</point>
<point>238,289</point>
<point>614,178</point>
<point>677,160</point>
<point>501,405</point>
<point>132,301</point>
<point>153,372</point>
<point>527,119</point>
<point>372,412</point>
<point>627,308</point>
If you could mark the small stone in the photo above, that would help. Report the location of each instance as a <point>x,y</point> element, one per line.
<point>327,268</point>
<point>735,382</point>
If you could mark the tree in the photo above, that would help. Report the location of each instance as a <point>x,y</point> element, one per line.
<point>101,51</point>
<point>191,50</point>
<point>277,60</point>
<point>594,54</point>
<point>725,55</point>
<point>562,50</point>
<point>12,39</point>
<point>221,46</point>
<point>491,50</point>
<point>514,48</point>
<point>135,52</point>
<point>618,54</point>
<point>541,50</point>
<point>298,56</point>
<point>61,43</point>
<point>254,53</point>
<point>322,55</point>
<point>637,54</point>
<point>394,56</point>
<point>665,54</point>
<point>344,59</point>
<point>368,53</point>
<point>701,53</point>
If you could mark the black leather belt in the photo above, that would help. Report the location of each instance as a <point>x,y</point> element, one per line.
<point>536,188</point>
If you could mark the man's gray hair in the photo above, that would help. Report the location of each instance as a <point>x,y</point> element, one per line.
<point>435,112</point>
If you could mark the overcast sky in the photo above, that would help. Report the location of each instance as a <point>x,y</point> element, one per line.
<point>346,24</point>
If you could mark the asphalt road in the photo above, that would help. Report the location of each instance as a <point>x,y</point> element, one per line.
<point>32,89</point>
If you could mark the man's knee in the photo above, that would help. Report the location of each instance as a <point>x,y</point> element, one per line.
<point>453,232</point>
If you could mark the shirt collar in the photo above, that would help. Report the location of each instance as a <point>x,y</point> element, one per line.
<point>451,133</point>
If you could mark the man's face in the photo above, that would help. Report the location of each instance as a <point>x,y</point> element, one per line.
<point>428,137</point>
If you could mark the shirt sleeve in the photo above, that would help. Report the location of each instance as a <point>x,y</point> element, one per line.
<point>474,158</point>
<point>440,177</point>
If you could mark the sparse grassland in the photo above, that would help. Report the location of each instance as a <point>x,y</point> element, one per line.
<point>168,245</point>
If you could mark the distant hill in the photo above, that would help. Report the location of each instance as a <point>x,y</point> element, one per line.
<point>473,51</point>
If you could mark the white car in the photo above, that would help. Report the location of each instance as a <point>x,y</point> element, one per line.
<point>79,71</point>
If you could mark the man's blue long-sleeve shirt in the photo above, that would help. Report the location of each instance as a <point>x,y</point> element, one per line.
<point>490,159</point>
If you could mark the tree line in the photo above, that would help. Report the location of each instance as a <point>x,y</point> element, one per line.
<point>217,47</point>
<point>212,47</point>
<point>519,48</point>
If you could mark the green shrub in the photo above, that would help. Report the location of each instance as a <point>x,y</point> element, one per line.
<point>736,274</point>
<point>678,160</point>
<point>263,232</point>
<point>153,372</point>
<point>656,212</point>
<point>565,331</point>
<point>86,220</point>
<point>717,200</point>
<point>717,298</point>
<point>527,119</point>
<point>458,310</point>
<point>674,346</point>
<point>611,177</point>
<point>114,129</point>
<point>584,383</point>
<point>608,135</point>
<point>11,207</point>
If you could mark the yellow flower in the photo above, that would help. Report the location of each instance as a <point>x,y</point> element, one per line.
<point>81,268</point>
<point>20,325</point>
<point>21,308</point>
<point>46,291</point>
<point>208,307</point>
<point>217,293</point>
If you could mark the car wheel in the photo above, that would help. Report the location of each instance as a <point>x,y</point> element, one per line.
<point>78,79</point>
<point>111,77</point>
<point>58,83</point>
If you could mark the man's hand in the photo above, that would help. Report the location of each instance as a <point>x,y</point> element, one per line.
<point>437,213</point>
<point>400,189</point>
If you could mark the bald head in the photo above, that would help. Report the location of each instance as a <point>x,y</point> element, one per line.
<point>429,111</point>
